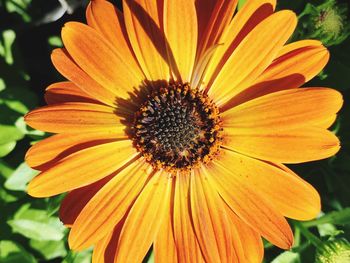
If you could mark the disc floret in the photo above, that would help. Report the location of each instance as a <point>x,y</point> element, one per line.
<point>177,128</point>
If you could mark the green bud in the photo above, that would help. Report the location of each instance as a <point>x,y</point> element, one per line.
<point>326,22</point>
<point>334,251</point>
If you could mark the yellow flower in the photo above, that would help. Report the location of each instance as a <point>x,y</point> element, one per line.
<point>174,126</point>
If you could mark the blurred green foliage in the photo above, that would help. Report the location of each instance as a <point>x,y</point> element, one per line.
<point>30,229</point>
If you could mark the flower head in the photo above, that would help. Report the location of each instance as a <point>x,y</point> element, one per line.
<point>326,22</point>
<point>174,127</point>
<point>334,251</point>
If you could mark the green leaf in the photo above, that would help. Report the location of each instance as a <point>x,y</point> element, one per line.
<point>49,249</point>
<point>2,84</point>
<point>336,218</point>
<point>287,257</point>
<point>6,148</point>
<point>328,230</point>
<point>81,257</point>
<point>241,3</point>
<point>8,37</point>
<point>5,169</point>
<point>150,259</point>
<point>20,177</point>
<point>19,7</point>
<point>11,252</point>
<point>55,41</point>
<point>9,133</point>
<point>36,224</point>
<point>7,197</point>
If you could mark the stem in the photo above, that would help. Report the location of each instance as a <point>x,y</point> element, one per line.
<point>341,217</point>
<point>310,236</point>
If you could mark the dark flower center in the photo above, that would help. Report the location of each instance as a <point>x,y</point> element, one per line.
<point>177,127</point>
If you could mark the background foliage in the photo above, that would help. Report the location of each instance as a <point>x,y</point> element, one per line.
<point>29,228</point>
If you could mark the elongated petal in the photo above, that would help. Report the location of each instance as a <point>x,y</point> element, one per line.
<point>307,62</point>
<point>104,17</point>
<point>327,122</point>
<point>204,10</point>
<point>109,21</point>
<point>66,92</point>
<point>290,195</point>
<point>301,63</point>
<point>100,60</point>
<point>291,47</point>
<point>144,220</point>
<point>253,56</point>
<point>67,67</point>
<point>164,244</point>
<point>250,240</point>
<point>98,254</point>
<point>82,168</point>
<point>74,202</point>
<point>108,206</point>
<point>289,146</point>
<point>52,149</point>
<point>143,20</point>
<point>210,221</point>
<point>188,249</point>
<point>76,117</point>
<point>317,202</point>
<point>220,17</point>
<point>250,205</point>
<point>181,32</point>
<point>105,249</point>
<point>252,13</point>
<point>289,109</point>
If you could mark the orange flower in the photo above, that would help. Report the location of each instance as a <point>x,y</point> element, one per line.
<point>174,126</point>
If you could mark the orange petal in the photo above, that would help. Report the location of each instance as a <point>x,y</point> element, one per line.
<point>146,216</point>
<point>312,200</point>
<point>251,206</point>
<point>188,249</point>
<point>253,56</point>
<point>74,202</point>
<point>291,47</point>
<point>204,10</point>
<point>67,67</point>
<point>164,244</point>
<point>283,110</point>
<point>82,168</point>
<point>307,61</point>
<point>288,71</point>
<point>66,92</point>
<point>289,146</point>
<point>252,13</point>
<point>181,31</point>
<point>52,149</point>
<point>100,60</point>
<point>143,20</point>
<point>220,17</point>
<point>109,21</point>
<point>210,221</point>
<point>104,250</point>
<point>98,254</point>
<point>75,117</point>
<point>327,122</point>
<point>290,195</point>
<point>108,206</point>
<point>250,240</point>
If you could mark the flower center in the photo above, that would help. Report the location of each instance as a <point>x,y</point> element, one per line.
<point>177,128</point>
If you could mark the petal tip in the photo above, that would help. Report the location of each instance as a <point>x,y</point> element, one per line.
<point>33,190</point>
